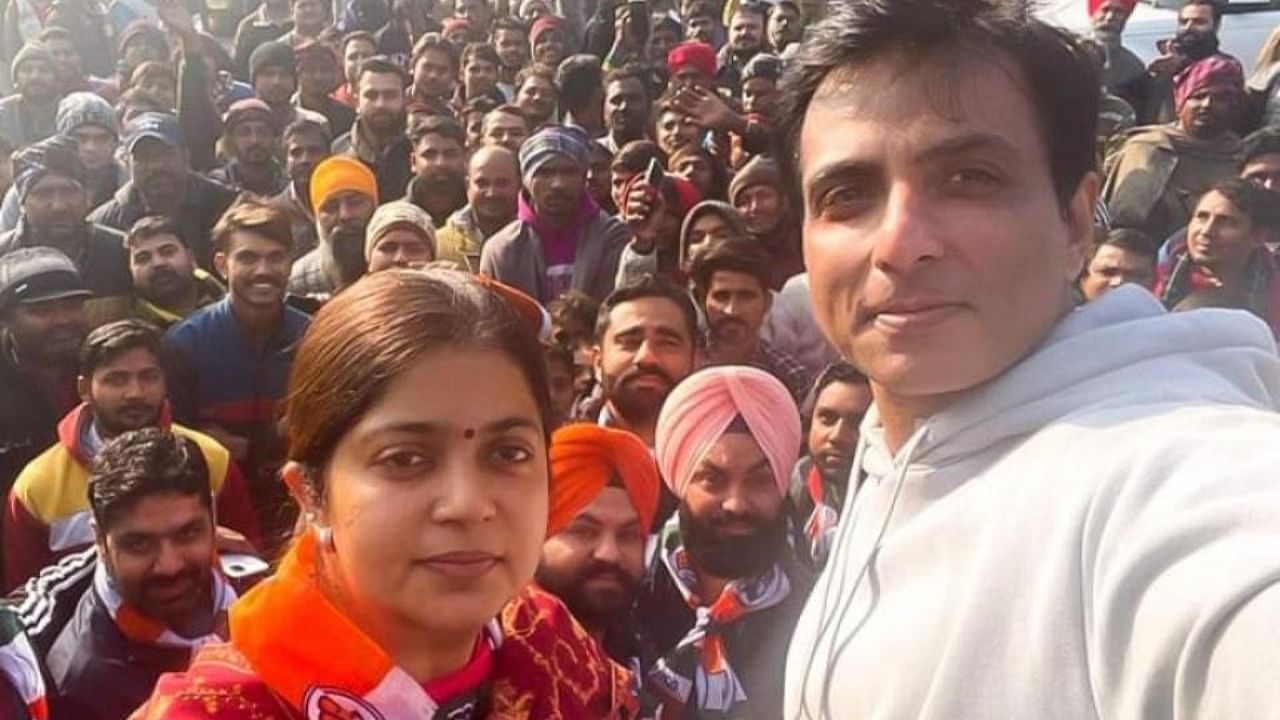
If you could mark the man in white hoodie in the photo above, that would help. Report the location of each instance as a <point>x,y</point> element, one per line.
<point>1061,512</point>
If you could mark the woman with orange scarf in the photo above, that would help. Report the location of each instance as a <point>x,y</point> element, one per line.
<point>408,595</point>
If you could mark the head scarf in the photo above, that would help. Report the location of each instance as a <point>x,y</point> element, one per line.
<point>700,409</point>
<point>692,53</point>
<point>57,154</point>
<point>78,109</point>
<point>544,145</point>
<point>340,173</point>
<point>1222,72</point>
<point>717,207</point>
<point>584,458</point>
<point>760,170</point>
<point>1095,5</point>
<point>400,213</point>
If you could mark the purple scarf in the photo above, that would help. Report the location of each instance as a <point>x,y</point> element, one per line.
<point>559,244</point>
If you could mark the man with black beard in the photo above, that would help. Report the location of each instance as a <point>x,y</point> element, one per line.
<point>645,343</point>
<point>1195,41</point>
<point>164,184</point>
<point>1123,73</point>
<point>28,115</point>
<point>725,590</point>
<point>439,163</point>
<point>378,136</point>
<point>167,285</point>
<point>604,495</point>
<point>251,142</point>
<point>306,144</point>
<point>344,194</point>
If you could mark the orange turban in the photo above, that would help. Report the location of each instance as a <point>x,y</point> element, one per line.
<point>340,173</point>
<point>584,458</point>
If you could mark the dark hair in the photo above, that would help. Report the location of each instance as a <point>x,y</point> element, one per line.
<point>435,42</point>
<point>154,226</point>
<point>381,65</point>
<point>1256,202</point>
<point>358,35</point>
<point>513,110</point>
<point>751,7</point>
<point>737,255</point>
<point>254,216</point>
<point>649,286</point>
<point>579,77</point>
<point>110,341</point>
<point>480,51</point>
<point>1061,81</point>
<point>539,70</point>
<point>636,155</point>
<point>483,104</point>
<point>345,363</point>
<point>574,308</point>
<point>1215,7</point>
<point>506,22</point>
<point>839,371</point>
<point>143,463</point>
<point>55,32</point>
<point>702,8</point>
<point>773,7</point>
<point>630,71</point>
<point>1261,142</point>
<point>1130,240</point>
<point>152,69</point>
<point>302,126</point>
<point>437,125</point>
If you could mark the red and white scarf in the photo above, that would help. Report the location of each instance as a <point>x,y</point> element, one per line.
<point>144,629</point>
<point>697,672</point>
<point>312,655</point>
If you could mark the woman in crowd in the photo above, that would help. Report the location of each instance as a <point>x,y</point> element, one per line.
<point>408,594</point>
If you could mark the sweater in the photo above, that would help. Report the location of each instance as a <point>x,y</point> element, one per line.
<point>514,255</point>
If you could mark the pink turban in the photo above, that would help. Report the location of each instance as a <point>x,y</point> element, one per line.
<point>693,53</point>
<point>702,407</point>
<point>1216,71</point>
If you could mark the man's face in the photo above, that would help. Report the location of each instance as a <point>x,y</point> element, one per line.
<point>1264,171</point>
<point>163,269</point>
<point>1207,113</point>
<point>127,393</point>
<point>833,433</point>
<point>676,131</point>
<point>512,48</point>
<point>746,33</point>
<point>48,332</point>
<point>36,80</point>
<point>505,130</point>
<point>709,226</point>
<point>784,26</point>
<point>697,170</point>
<point>916,225</point>
<point>731,517</point>
<point>317,76</point>
<point>160,174</point>
<point>1112,266</point>
<point>660,42</point>
<point>556,188</point>
<point>341,222</point>
<point>474,122</point>
<point>400,247</point>
<point>255,142</point>
<point>381,102</point>
<point>477,12</point>
<point>1220,236</point>
<point>433,75</point>
<point>256,268</point>
<point>736,305</point>
<point>357,52</point>
<point>689,76</point>
<point>56,207</point>
<point>1197,19</point>
<point>618,179</point>
<point>479,77</point>
<point>626,108</point>
<point>550,48</point>
<point>95,145</point>
<point>310,15</point>
<point>493,185</point>
<point>275,84</point>
<point>70,66</point>
<point>160,553</point>
<point>1110,18</point>
<point>439,161</point>
<point>762,207</point>
<point>537,98</point>
<point>645,352</point>
<point>596,564</point>
<point>303,152</point>
<point>702,28</point>
<point>759,95</point>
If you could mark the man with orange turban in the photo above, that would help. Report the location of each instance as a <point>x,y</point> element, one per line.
<point>604,495</point>
<point>726,588</point>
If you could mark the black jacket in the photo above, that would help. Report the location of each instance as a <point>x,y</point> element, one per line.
<point>205,202</point>
<point>390,167</point>
<point>103,262</point>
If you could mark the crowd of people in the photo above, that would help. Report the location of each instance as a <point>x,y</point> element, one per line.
<point>650,359</point>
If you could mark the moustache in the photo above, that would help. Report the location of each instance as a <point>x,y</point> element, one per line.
<point>165,272</point>
<point>603,570</point>
<point>187,576</point>
<point>637,374</point>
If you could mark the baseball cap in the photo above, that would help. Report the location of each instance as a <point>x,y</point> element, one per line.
<point>36,274</point>
<point>160,126</point>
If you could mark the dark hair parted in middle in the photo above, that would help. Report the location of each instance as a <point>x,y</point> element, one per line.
<point>1061,81</point>
<point>377,329</point>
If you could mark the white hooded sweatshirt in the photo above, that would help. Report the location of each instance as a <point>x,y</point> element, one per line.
<point>1093,534</point>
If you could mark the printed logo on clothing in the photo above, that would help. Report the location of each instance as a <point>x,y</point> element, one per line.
<point>327,703</point>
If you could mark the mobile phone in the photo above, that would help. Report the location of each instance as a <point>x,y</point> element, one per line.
<point>639,19</point>
<point>239,566</point>
<point>654,174</point>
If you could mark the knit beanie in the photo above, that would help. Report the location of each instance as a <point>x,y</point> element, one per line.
<point>85,108</point>
<point>398,214</point>
<point>760,170</point>
<point>271,54</point>
<point>29,53</point>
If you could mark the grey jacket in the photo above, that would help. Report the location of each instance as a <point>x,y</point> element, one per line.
<point>514,256</point>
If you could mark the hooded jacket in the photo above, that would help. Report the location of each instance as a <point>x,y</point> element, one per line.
<point>1091,534</point>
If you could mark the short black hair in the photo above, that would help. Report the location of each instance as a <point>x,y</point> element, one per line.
<point>154,226</point>
<point>1261,142</point>
<point>539,70</point>
<point>144,463</point>
<point>110,341</point>
<point>1062,81</point>
<point>752,7</point>
<point>480,51</point>
<point>381,65</point>
<point>636,155</point>
<point>437,125</point>
<point>630,71</point>
<point>303,126</point>
<point>557,353</point>
<point>1131,240</point>
<point>578,77</point>
<point>573,308</point>
<point>1215,7</point>
<point>483,104</point>
<point>738,255</point>
<point>436,42</point>
<point>1256,202</point>
<point>649,286</point>
<point>506,22</point>
<point>355,35</point>
<point>839,371</point>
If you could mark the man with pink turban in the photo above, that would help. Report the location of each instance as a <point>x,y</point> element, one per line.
<point>725,589</point>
